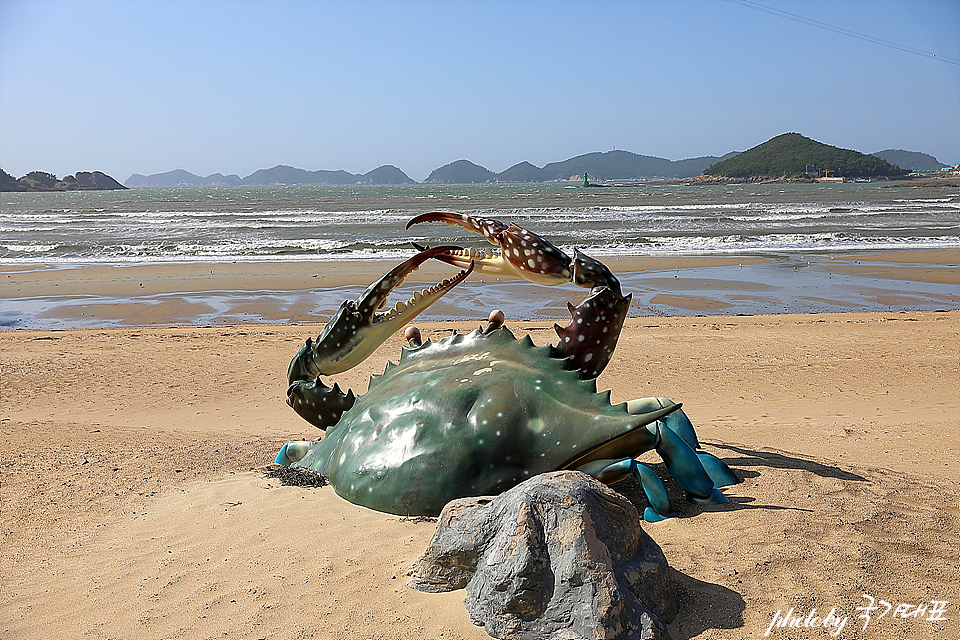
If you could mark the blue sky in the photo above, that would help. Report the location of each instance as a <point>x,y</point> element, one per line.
<point>234,86</point>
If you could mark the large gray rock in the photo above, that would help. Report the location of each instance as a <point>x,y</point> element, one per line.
<point>558,556</point>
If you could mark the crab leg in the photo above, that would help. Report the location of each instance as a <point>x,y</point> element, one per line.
<point>589,340</point>
<point>353,334</point>
<point>673,437</point>
<point>679,423</point>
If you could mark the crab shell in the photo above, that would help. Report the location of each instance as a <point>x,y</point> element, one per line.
<point>471,415</point>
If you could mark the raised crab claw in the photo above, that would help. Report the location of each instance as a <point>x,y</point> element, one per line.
<point>589,340</point>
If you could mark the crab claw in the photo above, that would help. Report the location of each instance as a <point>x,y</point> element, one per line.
<point>589,340</point>
<point>358,329</point>
<point>523,254</point>
<point>317,403</point>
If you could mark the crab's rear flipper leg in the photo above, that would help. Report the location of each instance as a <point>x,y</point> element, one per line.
<point>717,469</point>
<point>680,424</point>
<point>684,465</point>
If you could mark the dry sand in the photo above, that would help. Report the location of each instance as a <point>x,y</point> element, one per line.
<point>133,502</point>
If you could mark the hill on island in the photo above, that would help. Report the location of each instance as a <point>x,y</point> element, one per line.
<point>787,156</point>
<point>43,181</point>
<point>460,172</point>
<point>910,160</point>
<point>624,165</point>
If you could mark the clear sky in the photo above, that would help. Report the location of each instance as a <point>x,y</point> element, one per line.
<point>234,86</point>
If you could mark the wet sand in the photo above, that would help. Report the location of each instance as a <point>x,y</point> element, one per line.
<point>285,292</point>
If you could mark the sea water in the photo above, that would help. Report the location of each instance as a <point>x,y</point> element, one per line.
<point>189,224</point>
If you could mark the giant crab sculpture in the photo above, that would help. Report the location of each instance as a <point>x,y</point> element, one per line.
<point>477,414</point>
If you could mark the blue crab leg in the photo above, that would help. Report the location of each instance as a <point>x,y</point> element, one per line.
<point>684,465</point>
<point>697,472</point>
<point>656,493</point>
<point>680,424</point>
<point>678,420</point>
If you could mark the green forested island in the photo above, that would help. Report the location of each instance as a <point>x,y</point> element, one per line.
<point>792,155</point>
<point>43,181</point>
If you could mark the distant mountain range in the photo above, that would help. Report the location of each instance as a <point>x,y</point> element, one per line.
<point>787,155</point>
<point>610,165</point>
<point>280,174</point>
<point>599,166</point>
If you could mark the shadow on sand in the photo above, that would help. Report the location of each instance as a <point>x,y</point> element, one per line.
<point>776,460</point>
<point>703,606</point>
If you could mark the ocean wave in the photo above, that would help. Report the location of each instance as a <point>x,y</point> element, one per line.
<point>301,223</point>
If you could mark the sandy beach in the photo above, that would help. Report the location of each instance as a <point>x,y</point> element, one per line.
<point>133,502</point>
